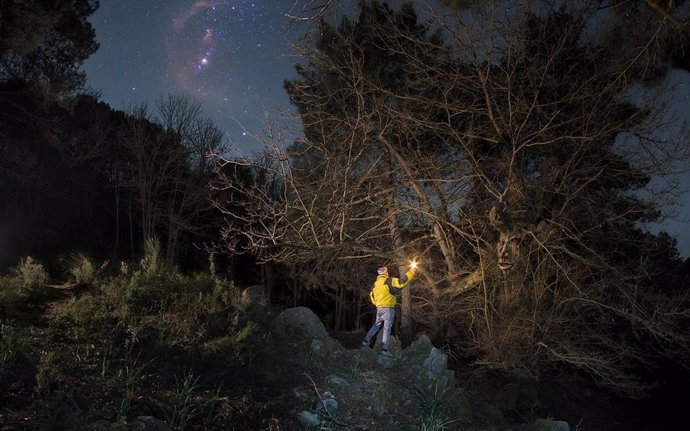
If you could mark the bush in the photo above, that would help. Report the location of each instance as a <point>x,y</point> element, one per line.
<point>10,293</point>
<point>152,262</point>
<point>82,269</point>
<point>81,316</point>
<point>31,274</point>
<point>11,344</point>
<point>48,374</point>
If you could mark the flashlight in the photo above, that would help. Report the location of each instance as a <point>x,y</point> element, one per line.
<point>413,264</point>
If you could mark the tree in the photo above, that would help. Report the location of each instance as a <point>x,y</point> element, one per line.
<point>346,194</point>
<point>46,42</point>
<point>555,145</point>
<point>42,47</point>
<point>170,169</point>
<point>508,153</point>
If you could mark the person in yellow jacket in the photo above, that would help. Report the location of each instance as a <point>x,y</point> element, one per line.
<point>382,295</point>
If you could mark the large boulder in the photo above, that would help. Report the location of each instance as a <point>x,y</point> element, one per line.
<point>299,321</point>
<point>434,375</point>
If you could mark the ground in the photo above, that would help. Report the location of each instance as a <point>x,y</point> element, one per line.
<point>224,366</point>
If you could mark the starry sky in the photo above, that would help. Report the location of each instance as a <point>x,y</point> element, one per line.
<point>233,56</point>
<point>229,55</point>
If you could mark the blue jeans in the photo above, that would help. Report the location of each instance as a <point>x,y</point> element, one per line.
<point>384,318</point>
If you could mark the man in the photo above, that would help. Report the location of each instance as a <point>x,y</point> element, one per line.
<point>382,295</point>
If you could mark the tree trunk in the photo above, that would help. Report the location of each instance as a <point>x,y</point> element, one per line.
<point>131,227</point>
<point>117,217</point>
<point>267,281</point>
<point>406,332</point>
<point>338,308</point>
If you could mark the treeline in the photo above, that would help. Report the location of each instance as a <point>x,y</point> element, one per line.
<point>77,175</point>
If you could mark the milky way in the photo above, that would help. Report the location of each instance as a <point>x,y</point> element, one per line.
<point>229,55</point>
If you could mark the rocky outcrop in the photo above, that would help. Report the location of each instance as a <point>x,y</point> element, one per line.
<point>299,321</point>
<point>372,391</point>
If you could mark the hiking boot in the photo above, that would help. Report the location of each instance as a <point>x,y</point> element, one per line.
<point>386,353</point>
<point>365,344</point>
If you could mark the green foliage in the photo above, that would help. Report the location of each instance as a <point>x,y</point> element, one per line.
<point>11,343</point>
<point>83,316</point>
<point>82,269</point>
<point>436,423</point>
<point>184,408</point>
<point>30,274</point>
<point>10,293</point>
<point>47,42</point>
<point>213,406</point>
<point>152,262</point>
<point>128,377</point>
<point>106,360</point>
<point>163,310</point>
<point>147,314</point>
<point>48,374</point>
<point>431,398</point>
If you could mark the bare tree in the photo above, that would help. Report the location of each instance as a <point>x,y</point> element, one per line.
<point>507,152</point>
<point>188,197</point>
<point>170,168</point>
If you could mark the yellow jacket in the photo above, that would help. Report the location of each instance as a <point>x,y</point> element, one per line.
<point>381,294</point>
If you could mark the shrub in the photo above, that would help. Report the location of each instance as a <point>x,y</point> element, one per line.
<point>184,408</point>
<point>10,293</point>
<point>11,344</point>
<point>48,375</point>
<point>152,262</point>
<point>81,316</point>
<point>82,269</point>
<point>30,274</point>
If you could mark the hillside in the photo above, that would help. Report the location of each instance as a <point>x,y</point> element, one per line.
<point>148,349</point>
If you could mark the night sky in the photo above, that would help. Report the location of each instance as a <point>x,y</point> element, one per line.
<point>233,57</point>
<point>229,55</point>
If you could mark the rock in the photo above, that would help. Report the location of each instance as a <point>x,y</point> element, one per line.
<point>386,361</point>
<point>551,425</point>
<point>437,362</point>
<point>63,410</point>
<point>323,410</point>
<point>302,393</point>
<point>308,419</point>
<point>301,319</point>
<point>434,375</point>
<point>420,346</point>
<point>326,347</point>
<point>332,379</point>
<point>326,407</point>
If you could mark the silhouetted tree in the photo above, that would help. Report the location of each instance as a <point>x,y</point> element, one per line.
<point>170,169</point>
<point>46,42</point>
